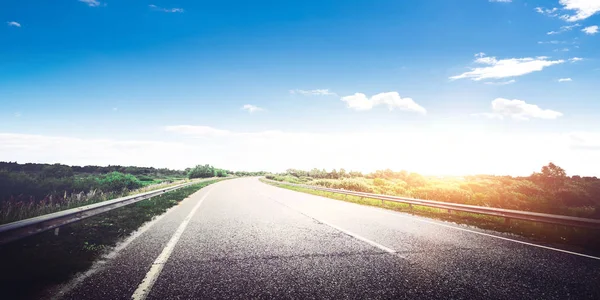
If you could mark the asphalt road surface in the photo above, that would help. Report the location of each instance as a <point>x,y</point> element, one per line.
<point>243,239</point>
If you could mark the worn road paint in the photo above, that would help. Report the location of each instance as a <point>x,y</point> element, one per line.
<point>146,286</point>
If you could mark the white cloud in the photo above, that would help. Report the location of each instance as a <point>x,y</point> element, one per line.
<point>317,92</point>
<point>198,130</point>
<point>501,1</point>
<point>360,102</point>
<point>251,108</point>
<point>583,9</point>
<point>503,68</point>
<point>13,24</point>
<point>500,82</point>
<point>575,59</point>
<point>564,79</point>
<point>561,50</point>
<point>585,141</point>
<point>518,110</point>
<point>92,3</point>
<point>447,150</point>
<point>552,42</point>
<point>546,11</point>
<point>591,30</point>
<point>489,116</point>
<point>83,151</point>
<point>564,29</point>
<point>167,10</point>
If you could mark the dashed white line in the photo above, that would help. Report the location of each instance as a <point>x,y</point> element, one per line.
<point>145,287</point>
<point>458,228</point>
<point>352,234</point>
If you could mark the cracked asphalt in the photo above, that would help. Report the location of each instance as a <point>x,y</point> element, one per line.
<point>252,240</point>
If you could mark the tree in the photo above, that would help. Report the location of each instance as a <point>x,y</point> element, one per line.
<point>200,171</point>
<point>57,171</point>
<point>553,171</point>
<point>552,177</point>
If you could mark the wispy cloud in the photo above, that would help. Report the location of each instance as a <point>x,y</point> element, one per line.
<point>551,12</point>
<point>564,29</point>
<point>167,10</point>
<point>198,130</point>
<point>501,82</point>
<point>252,108</point>
<point>503,68</point>
<point>13,24</point>
<point>317,92</point>
<point>582,9</point>
<point>564,79</point>
<point>518,110</point>
<point>501,1</point>
<point>591,30</point>
<point>552,42</point>
<point>360,102</point>
<point>575,59</point>
<point>92,3</point>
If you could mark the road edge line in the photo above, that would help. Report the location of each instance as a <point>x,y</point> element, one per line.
<point>420,219</point>
<point>147,283</point>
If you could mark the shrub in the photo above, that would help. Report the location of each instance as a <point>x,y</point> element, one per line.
<point>144,178</point>
<point>116,181</point>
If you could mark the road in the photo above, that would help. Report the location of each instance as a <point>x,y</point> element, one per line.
<point>241,239</point>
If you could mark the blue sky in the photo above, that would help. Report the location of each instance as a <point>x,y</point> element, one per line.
<point>438,87</point>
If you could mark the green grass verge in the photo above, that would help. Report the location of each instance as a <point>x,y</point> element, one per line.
<point>31,265</point>
<point>578,239</point>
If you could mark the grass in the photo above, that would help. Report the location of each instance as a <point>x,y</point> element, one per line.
<point>578,239</point>
<point>18,210</point>
<point>35,263</point>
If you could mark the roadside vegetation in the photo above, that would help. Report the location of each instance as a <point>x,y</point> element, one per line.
<point>44,260</point>
<point>207,171</point>
<point>29,190</point>
<point>547,191</point>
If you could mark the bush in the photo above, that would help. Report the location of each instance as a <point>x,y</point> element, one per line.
<point>144,178</point>
<point>57,171</point>
<point>115,181</point>
<point>200,171</point>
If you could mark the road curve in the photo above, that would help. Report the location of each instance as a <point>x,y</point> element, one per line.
<point>241,239</point>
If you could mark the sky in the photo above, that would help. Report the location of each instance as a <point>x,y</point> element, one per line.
<point>439,87</point>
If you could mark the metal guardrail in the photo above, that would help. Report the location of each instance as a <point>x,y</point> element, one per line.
<point>23,228</point>
<point>507,214</point>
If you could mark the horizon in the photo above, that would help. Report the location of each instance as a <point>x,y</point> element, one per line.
<point>367,172</point>
<point>494,87</point>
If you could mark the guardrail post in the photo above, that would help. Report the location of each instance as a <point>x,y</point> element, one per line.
<point>382,204</point>
<point>506,221</point>
<point>56,230</point>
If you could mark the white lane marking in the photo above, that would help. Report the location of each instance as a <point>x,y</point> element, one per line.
<point>103,262</point>
<point>352,234</point>
<point>459,228</point>
<point>145,287</point>
<point>491,235</point>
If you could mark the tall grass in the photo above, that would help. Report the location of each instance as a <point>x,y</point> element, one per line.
<point>19,208</point>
